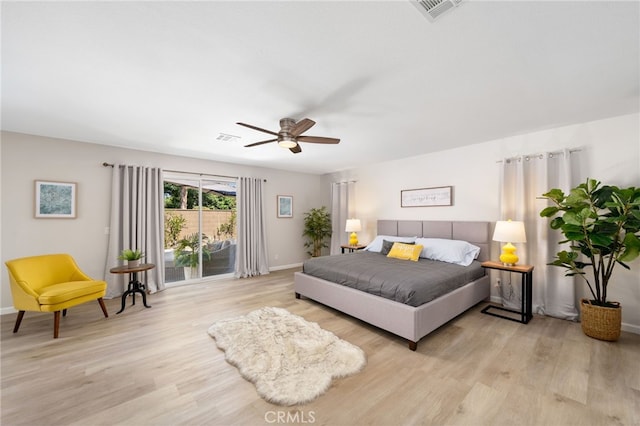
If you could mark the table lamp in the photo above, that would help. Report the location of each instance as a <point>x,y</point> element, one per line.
<point>508,231</point>
<point>353,226</point>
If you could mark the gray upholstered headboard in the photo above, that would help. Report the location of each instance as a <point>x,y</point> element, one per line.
<point>477,233</point>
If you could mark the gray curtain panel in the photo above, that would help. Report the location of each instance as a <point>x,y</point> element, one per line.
<point>523,180</point>
<point>251,256</point>
<point>343,195</point>
<point>137,222</point>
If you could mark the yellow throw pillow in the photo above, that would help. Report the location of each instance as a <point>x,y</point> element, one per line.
<point>405,251</point>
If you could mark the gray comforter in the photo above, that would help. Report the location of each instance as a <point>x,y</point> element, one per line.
<point>404,281</point>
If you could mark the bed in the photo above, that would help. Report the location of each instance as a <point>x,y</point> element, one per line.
<point>404,320</point>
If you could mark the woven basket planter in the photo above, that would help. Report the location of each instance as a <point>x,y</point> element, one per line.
<point>601,322</point>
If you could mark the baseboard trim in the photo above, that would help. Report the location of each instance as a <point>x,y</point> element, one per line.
<point>281,267</point>
<point>631,328</point>
<point>6,311</point>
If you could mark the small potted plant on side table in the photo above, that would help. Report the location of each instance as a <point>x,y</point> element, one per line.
<point>132,257</point>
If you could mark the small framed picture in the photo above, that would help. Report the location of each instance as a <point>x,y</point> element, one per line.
<point>55,200</point>
<point>285,206</point>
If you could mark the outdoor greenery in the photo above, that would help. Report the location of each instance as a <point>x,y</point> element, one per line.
<point>317,228</point>
<point>228,229</point>
<point>174,194</point>
<point>601,223</point>
<point>128,254</point>
<point>188,249</point>
<point>173,225</point>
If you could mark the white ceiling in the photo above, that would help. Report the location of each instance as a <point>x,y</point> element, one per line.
<point>171,76</point>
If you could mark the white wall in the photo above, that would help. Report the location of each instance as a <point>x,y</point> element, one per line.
<point>609,152</point>
<point>26,158</point>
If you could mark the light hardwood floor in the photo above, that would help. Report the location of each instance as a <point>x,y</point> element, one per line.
<point>159,366</point>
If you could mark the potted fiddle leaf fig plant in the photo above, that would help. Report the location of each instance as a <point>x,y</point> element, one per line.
<point>132,257</point>
<point>601,224</point>
<point>317,228</point>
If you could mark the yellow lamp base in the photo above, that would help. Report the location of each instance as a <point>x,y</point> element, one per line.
<point>353,239</point>
<point>508,256</point>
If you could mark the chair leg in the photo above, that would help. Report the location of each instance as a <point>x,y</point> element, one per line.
<point>56,324</point>
<point>18,321</point>
<point>104,308</point>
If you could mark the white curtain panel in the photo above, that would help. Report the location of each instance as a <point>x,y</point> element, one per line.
<point>137,222</point>
<point>523,180</point>
<point>343,196</point>
<point>251,256</point>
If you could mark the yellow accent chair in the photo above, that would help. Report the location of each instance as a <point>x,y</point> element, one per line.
<point>51,283</point>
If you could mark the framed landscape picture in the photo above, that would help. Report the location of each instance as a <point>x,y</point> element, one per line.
<point>56,200</point>
<point>427,197</point>
<point>285,206</point>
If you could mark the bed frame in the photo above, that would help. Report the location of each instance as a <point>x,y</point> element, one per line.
<point>409,322</point>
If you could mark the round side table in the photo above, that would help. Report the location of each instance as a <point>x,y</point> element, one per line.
<point>135,286</point>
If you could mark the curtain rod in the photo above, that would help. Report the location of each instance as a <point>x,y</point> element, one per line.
<point>105,164</point>
<point>345,181</point>
<point>540,154</point>
<point>201,174</point>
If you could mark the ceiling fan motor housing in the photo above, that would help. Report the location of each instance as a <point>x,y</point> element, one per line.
<point>286,124</point>
<point>285,139</point>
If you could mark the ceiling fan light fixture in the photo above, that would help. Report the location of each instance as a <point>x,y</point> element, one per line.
<point>291,132</point>
<point>287,142</point>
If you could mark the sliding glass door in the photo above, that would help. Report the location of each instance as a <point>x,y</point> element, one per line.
<point>200,227</point>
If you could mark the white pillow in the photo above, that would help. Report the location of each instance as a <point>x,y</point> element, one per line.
<point>451,251</point>
<point>376,244</point>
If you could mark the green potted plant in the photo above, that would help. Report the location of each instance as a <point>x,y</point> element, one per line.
<point>601,223</point>
<point>132,257</point>
<point>317,227</point>
<point>187,253</point>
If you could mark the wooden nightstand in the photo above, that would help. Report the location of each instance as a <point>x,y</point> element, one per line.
<point>527,278</point>
<point>352,248</point>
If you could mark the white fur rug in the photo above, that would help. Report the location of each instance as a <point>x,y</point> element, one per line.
<point>290,360</point>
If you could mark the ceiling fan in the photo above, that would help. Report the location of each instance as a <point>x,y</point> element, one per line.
<point>290,134</point>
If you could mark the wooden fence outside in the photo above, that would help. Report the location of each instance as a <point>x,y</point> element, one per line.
<point>211,221</point>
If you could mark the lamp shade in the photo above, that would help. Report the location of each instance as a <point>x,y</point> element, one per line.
<point>508,231</point>
<point>353,225</point>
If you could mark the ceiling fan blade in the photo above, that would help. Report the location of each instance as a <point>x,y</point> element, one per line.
<point>317,139</point>
<point>296,149</point>
<point>260,143</point>
<point>258,128</point>
<point>301,126</point>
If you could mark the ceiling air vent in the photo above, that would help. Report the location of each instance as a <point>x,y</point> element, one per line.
<point>433,9</point>
<point>227,138</point>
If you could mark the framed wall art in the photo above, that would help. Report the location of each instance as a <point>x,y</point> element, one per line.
<point>285,206</point>
<point>427,197</point>
<point>55,200</point>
